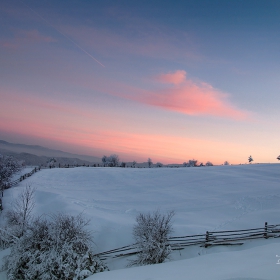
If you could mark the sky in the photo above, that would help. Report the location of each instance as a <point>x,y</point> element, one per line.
<point>166,80</point>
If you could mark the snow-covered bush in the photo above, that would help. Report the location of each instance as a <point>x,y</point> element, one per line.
<point>190,163</point>
<point>112,160</point>
<point>51,162</point>
<point>56,248</point>
<point>8,167</point>
<point>151,234</point>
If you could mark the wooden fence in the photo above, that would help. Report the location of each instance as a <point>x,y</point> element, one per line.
<point>14,183</point>
<point>36,169</point>
<point>214,238</point>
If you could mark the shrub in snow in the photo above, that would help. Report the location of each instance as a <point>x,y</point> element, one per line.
<point>51,162</point>
<point>8,167</point>
<point>112,160</point>
<point>250,159</point>
<point>226,163</point>
<point>151,234</point>
<point>190,163</point>
<point>209,163</point>
<point>59,248</point>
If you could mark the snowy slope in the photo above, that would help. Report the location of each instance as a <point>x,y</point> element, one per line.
<point>258,263</point>
<point>205,198</point>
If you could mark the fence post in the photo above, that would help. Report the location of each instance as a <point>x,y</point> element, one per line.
<point>206,239</point>
<point>265,230</point>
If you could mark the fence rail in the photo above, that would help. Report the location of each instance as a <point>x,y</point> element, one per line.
<point>214,238</point>
<point>14,183</point>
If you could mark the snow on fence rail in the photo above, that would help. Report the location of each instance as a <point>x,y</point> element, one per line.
<point>231,237</point>
<point>14,183</point>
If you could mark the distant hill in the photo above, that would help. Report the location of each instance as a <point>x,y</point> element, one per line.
<point>37,155</point>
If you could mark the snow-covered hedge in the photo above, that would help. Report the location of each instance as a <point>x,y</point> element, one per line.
<point>56,248</point>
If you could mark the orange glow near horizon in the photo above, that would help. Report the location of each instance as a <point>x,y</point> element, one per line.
<point>77,129</point>
<point>161,148</point>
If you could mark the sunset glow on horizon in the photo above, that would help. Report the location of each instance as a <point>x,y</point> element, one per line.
<point>170,81</point>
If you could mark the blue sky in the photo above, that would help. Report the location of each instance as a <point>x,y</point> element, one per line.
<point>170,80</point>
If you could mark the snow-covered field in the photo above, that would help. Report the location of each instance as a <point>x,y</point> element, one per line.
<point>206,198</point>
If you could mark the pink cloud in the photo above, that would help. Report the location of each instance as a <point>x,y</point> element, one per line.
<point>183,96</point>
<point>175,78</point>
<point>187,97</point>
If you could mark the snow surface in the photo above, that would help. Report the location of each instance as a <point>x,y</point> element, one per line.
<point>205,198</point>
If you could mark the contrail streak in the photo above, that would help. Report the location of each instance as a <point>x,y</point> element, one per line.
<point>64,35</point>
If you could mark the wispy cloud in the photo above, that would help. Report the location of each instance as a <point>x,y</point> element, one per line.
<point>175,78</point>
<point>158,42</point>
<point>25,37</point>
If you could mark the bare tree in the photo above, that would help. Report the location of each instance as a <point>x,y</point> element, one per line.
<point>150,162</point>
<point>226,163</point>
<point>151,234</point>
<point>209,163</point>
<point>278,157</point>
<point>134,163</point>
<point>19,217</point>
<point>250,159</point>
<point>104,160</point>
